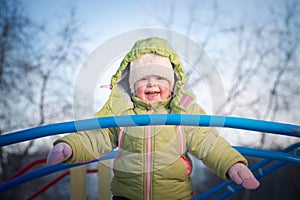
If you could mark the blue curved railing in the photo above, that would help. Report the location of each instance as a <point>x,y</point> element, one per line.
<point>156,119</point>
<point>144,120</point>
<point>256,167</point>
<point>58,167</point>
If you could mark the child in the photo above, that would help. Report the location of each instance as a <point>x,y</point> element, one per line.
<point>153,161</point>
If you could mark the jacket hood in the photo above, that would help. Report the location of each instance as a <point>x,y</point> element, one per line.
<point>151,45</point>
<point>120,85</point>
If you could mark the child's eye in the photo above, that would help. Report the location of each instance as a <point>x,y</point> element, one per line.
<point>160,78</point>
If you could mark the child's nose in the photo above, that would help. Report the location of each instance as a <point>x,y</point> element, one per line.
<point>151,82</point>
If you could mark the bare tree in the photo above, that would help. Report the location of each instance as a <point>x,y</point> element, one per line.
<point>261,56</point>
<point>287,33</point>
<point>33,58</point>
<point>53,67</point>
<point>15,66</point>
<point>264,80</point>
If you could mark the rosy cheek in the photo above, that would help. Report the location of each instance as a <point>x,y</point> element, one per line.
<point>139,92</point>
<point>165,91</point>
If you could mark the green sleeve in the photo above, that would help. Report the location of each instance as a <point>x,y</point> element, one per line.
<point>215,152</point>
<point>89,145</point>
<point>221,157</point>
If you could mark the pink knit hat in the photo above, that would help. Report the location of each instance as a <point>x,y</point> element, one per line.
<point>148,65</point>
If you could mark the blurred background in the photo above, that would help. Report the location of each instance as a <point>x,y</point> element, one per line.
<point>254,44</point>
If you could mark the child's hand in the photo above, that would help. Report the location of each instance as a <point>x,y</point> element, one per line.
<point>59,153</point>
<point>241,174</point>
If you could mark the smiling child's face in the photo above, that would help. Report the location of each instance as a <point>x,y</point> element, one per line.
<point>152,88</point>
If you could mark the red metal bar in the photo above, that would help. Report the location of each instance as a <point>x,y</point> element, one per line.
<point>27,167</point>
<point>46,187</point>
<point>43,189</point>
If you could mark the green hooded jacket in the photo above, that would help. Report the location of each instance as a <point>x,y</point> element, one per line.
<point>153,161</point>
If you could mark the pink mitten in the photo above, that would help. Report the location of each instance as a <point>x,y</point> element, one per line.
<point>241,174</point>
<point>59,153</point>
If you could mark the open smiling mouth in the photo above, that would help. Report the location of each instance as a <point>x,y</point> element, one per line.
<point>152,93</point>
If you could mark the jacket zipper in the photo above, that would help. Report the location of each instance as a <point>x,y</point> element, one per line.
<point>148,158</point>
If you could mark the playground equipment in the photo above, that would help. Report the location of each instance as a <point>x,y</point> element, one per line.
<point>158,119</point>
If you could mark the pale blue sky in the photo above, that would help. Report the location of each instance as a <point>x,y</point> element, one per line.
<point>104,19</point>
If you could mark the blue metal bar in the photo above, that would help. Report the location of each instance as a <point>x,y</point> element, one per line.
<point>270,154</point>
<point>257,166</point>
<point>144,120</point>
<point>236,188</point>
<point>239,187</point>
<point>52,169</point>
<point>48,170</point>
